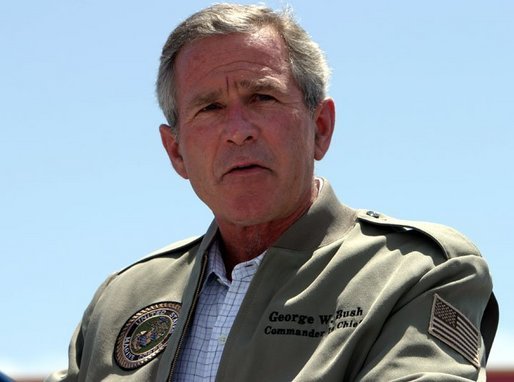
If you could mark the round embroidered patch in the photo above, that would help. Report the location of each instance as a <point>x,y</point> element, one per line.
<point>146,334</point>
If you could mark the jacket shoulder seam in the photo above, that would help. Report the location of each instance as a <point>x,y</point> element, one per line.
<point>179,246</point>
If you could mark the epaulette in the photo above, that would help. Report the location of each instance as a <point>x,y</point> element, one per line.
<point>451,241</point>
<point>178,246</point>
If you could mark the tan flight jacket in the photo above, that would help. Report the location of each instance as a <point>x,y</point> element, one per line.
<point>343,295</point>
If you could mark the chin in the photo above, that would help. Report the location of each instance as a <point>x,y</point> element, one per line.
<point>246,216</point>
<point>247,220</point>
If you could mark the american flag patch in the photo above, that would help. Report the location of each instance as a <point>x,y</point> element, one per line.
<point>454,329</point>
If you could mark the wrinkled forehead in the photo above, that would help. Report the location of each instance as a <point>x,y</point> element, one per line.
<point>261,53</point>
<point>265,41</point>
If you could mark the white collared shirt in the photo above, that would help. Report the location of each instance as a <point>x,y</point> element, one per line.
<point>216,310</point>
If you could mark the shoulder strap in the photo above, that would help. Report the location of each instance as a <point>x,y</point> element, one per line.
<point>448,239</point>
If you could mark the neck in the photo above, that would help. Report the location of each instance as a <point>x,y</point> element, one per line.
<point>242,243</point>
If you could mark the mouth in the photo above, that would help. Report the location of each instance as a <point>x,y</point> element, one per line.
<point>246,169</point>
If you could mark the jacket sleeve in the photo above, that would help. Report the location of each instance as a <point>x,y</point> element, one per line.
<point>409,348</point>
<point>75,351</point>
<point>442,328</point>
<point>84,343</point>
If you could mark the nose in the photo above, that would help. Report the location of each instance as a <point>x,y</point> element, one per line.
<point>239,130</point>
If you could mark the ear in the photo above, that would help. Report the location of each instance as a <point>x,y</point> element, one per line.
<point>324,118</point>
<point>171,145</point>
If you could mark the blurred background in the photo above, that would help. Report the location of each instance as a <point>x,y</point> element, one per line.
<point>424,97</point>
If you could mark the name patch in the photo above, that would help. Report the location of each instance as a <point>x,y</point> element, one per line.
<point>146,334</point>
<point>304,325</point>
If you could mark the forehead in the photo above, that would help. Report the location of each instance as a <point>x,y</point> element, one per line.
<point>261,53</point>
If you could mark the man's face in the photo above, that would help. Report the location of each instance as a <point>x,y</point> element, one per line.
<point>246,140</point>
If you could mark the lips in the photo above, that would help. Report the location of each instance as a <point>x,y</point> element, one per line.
<point>244,161</point>
<point>245,168</point>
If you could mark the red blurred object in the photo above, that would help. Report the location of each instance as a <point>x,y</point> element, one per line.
<point>492,376</point>
<point>500,375</point>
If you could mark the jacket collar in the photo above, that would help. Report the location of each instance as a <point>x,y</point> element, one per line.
<point>326,221</point>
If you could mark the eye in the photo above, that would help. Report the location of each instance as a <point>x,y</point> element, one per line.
<point>263,97</point>
<point>211,107</point>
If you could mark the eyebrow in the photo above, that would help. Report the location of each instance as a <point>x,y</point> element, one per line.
<point>263,84</point>
<point>205,99</point>
<point>260,85</point>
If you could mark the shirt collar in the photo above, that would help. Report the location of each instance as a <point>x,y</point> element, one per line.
<point>216,266</point>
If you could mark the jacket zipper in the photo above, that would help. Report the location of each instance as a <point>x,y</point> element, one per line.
<point>188,318</point>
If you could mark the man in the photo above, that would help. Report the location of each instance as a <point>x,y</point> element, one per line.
<point>287,283</point>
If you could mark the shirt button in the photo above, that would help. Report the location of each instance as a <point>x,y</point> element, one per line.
<point>222,339</point>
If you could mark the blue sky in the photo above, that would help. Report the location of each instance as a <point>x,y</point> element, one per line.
<point>425,112</point>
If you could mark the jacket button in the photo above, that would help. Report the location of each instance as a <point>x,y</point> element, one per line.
<point>373,214</point>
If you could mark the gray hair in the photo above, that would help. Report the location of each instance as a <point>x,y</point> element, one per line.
<point>308,63</point>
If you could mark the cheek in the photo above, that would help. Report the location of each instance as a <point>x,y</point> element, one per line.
<point>300,141</point>
<point>196,156</point>
<point>303,151</point>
